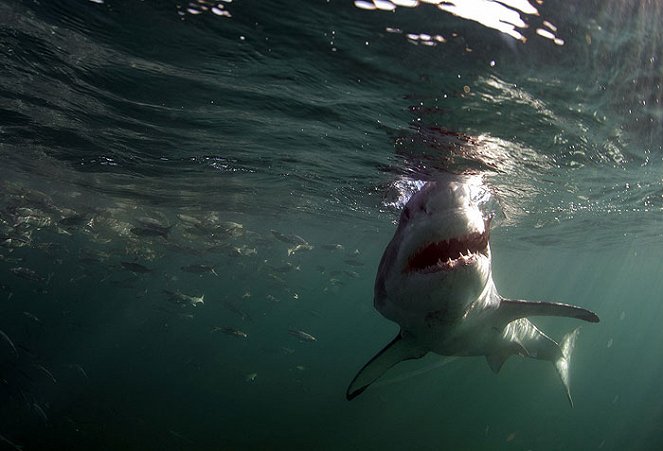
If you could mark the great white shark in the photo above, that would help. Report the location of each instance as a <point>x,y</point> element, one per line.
<point>435,281</point>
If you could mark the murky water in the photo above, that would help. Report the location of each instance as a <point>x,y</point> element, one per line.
<point>195,199</point>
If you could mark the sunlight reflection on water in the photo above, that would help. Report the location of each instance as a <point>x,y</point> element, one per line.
<point>504,16</point>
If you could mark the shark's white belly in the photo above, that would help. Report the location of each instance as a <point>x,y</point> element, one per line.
<point>460,323</point>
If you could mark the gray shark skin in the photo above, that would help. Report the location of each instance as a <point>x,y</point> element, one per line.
<point>435,281</point>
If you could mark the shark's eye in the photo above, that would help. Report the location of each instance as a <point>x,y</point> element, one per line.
<point>406,213</point>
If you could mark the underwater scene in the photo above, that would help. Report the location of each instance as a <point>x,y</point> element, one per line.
<point>331,225</point>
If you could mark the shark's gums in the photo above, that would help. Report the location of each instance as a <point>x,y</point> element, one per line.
<point>435,281</point>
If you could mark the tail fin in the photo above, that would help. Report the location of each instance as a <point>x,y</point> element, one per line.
<point>564,361</point>
<point>538,345</point>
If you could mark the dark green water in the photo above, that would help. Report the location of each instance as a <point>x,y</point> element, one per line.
<point>166,135</point>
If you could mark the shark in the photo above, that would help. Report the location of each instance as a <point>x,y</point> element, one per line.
<point>435,281</point>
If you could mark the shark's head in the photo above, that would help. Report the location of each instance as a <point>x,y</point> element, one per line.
<point>439,257</point>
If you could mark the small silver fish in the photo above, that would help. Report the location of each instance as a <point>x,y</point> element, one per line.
<point>27,274</point>
<point>135,267</point>
<point>188,219</point>
<point>233,229</point>
<point>299,247</point>
<point>73,220</point>
<point>303,336</point>
<point>40,412</point>
<point>79,369</point>
<point>46,372</point>
<point>32,317</point>
<point>243,250</point>
<point>290,239</point>
<point>199,269</point>
<point>150,231</point>
<point>148,222</point>
<point>230,331</point>
<point>333,247</point>
<point>181,298</point>
<point>9,443</point>
<point>9,342</point>
<point>238,311</point>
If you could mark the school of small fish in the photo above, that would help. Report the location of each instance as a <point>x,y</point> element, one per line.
<point>208,268</point>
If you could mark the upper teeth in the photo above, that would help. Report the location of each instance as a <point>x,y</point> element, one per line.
<point>450,261</point>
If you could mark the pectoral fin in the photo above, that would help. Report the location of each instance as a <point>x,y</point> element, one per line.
<point>399,349</point>
<point>511,310</point>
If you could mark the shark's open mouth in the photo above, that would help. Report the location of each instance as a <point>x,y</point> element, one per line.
<point>449,254</point>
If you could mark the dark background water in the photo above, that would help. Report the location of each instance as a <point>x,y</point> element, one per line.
<point>299,117</point>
